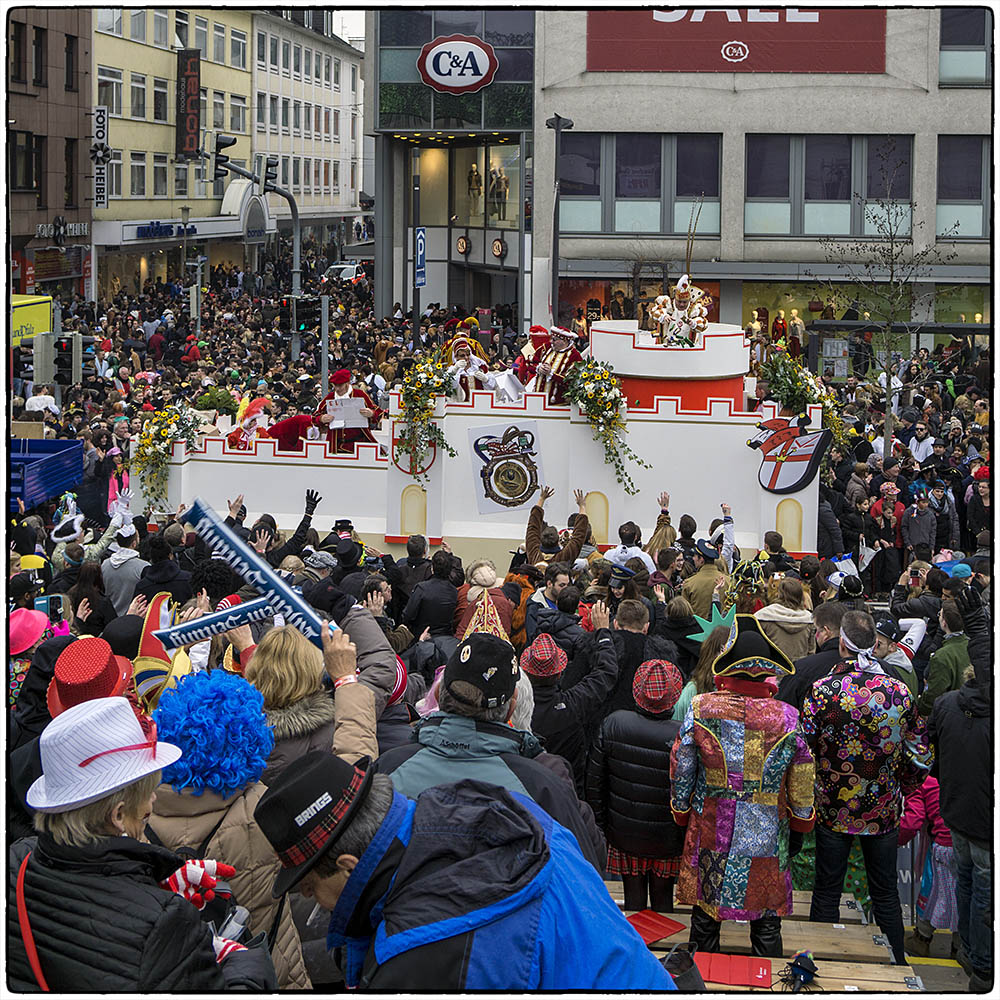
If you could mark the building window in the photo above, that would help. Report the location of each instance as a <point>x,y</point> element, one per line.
<point>138,95</point>
<point>201,36</point>
<point>296,169</point>
<point>336,125</point>
<point>199,179</point>
<point>237,113</point>
<point>159,99</point>
<point>70,61</point>
<point>286,57</point>
<point>317,171</point>
<point>219,187</point>
<point>69,191</point>
<point>261,112</point>
<point>336,74</point>
<point>336,176</point>
<point>307,173</point>
<point>326,122</point>
<point>307,70</point>
<point>181,37</point>
<point>308,119</point>
<point>203,107</point>
<point>115,174</point>
<point>219,43</point>
<point>274,54</point>
<point>354,78</point>
<point>316,121</point>
<point>159,175</point>
<point>284,171</point>
<point>297,60</point>
<point>638,177</point>
<point>109,20</point>
<point>966,56</point>
<point>326,174</point>
<point>39,172</point>
<point>354,175</point>
<point>218,109</point>
<point>137,177</point>
<point>354,128</point>
<point>161,25</point>
<point>238,48</point>
<point>963,186</point>
<point>109,89</point>
<point>17,51</point>
<point>580,183</point>
<point>297,117</point>
<point>22,160</point>
<point>137,22</point>
<point>39,52</point>
<point>274,112</point>
<point>827,185</point>
<point>261,49</point>
<point>326,70</point>
<point>285,103</point>
<point>180,180</point>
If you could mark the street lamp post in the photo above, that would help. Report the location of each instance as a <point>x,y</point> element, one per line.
<point>185,217</point>
<point>558,124</point>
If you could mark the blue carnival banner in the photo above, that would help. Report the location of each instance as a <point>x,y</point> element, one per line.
<point>214,624</point>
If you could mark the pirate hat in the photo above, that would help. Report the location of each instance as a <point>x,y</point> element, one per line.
<point>748,651</point>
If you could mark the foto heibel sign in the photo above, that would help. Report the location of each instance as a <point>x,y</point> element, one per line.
<point>736,40</point>
<point>188,102</point>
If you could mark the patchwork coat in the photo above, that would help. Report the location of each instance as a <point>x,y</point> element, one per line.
<point>741,776</point>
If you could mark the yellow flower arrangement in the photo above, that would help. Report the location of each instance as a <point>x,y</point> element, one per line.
<point>426,380</point>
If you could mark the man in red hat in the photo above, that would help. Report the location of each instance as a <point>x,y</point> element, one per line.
<point>343,439</point>
<point>550,365</point>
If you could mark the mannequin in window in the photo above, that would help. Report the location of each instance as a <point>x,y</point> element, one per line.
<point>753,333</point>
<point>491,190</point>
<point>753,327</point>
<point>779,328</point>
<point>796,334</point>
<point>764,316</point>
<point>475,185</point>
<point>503,190</point>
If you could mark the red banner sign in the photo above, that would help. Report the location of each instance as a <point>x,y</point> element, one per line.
<point>188,103</point>
<point>736,40</point>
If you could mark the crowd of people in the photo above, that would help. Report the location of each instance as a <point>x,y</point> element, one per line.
<point>475,748</point>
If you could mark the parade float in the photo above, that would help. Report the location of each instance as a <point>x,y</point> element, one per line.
<point>665,410</point>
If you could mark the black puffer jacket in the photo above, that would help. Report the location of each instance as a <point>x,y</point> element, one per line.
<point>564,628</point>
<point>102,924</point>
<point>926,606</point>
<point>628,784</point>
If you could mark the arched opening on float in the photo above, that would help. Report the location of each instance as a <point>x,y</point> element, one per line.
<point>788,522</point>
<point>413,511</point>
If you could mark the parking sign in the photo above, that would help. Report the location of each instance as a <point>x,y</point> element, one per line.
<point>421,260</point>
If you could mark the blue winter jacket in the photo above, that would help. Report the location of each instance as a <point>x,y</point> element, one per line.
<point>474,887</point>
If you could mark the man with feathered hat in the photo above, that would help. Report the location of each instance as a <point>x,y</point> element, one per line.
<point>468,365</point>
<point>551,364</point>
<point>741,776</point>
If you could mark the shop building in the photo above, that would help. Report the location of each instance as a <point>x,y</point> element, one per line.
<point>307,112</point>
<point>139,231</point>
<point>449,100</point>
<point>778,124</point>
<point>48,137</point>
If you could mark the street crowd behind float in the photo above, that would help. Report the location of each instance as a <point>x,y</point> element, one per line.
<point>434,800</point>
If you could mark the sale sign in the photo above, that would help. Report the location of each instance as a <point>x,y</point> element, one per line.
<point>736,40</point>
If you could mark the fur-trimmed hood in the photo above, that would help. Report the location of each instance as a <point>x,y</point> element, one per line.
<point>301,718</point>
<point>785,617</point>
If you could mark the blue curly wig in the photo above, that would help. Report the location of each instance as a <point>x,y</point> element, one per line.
<point>217,719</point>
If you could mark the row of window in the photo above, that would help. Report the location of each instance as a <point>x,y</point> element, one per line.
<point>113,21</point>
<point>27,156</point>
<point>795,185</point>
<point>149,99</point>
<point>300,62</point>
<point>301,118</point>
<point>39,55</point>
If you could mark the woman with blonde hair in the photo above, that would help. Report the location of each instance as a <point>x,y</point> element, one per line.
<point>788,622</point>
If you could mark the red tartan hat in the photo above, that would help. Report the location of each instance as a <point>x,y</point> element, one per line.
<point>543,657</point>
<point>656,686</point>
<point>307,809</point>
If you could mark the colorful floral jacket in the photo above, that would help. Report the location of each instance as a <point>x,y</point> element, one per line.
<point>871,748</point>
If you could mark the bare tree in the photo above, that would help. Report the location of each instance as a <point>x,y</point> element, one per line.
<point>645,260</point>
<point>885,271</point>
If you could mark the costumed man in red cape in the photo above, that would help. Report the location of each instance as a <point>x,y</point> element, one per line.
<point>343,439</point>
<point>251,423</point>
<point>551,363</point>
<point>290,431</point>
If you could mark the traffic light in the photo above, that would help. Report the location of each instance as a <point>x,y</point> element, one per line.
<point>64,360</point>
<point>222,142</point>
<point>270,173</point>
<point>285,313</point>
<point>307,313</point>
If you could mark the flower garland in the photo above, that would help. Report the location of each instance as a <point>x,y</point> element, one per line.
<point>156,439</point>
<point>426,379</point>
<point>592,385</point>
<point>795,388</point>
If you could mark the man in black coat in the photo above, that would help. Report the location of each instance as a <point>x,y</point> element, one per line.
<point>960,730</point>
<point>564,715</point>
<point>163,574</point>
<point>793,688</point>
<point>562,622</point>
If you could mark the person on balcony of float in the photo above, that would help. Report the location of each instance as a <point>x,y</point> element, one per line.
<point>468,366</point>
<point>343,439</point>
<point>551,364</point>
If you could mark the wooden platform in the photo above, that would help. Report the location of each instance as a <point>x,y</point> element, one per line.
<point>839,976</point>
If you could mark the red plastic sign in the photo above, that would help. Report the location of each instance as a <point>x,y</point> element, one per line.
<point>736,40</point>
<point>457,64</point>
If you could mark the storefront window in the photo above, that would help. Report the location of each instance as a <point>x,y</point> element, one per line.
<point>507,106</point>
<point>510,27</point>
<point>458,22</point>
<point>503,186</point>
<point>404,105</point>
<point>404,27</point>
<point>622,298</point>
<point>469,185</point>
<point>516,64</point>
<point>962,303</point>
<point>433,187</point>
<point>458,110</point>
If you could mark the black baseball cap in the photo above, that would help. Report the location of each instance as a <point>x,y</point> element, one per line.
<point>888,626</point>
<point>486,662</point>
<point>22,584</point>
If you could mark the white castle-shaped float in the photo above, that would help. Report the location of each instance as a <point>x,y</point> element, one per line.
<point>685,417</point>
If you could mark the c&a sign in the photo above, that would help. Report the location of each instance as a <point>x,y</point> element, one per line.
<point>457,64</point>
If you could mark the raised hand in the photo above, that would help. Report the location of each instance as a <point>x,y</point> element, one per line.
<point>261,540</point>
<point>726,510</point>
<point>83,610</point>
<point>660,594</point>
<point>375,603</point>
<point>579,497</point>
<point>138,605</point>
<point>664,500</point>
<point>599,616</point>
<point>547,493</point>
<point>312,501</point>
<point>234,507</point>
<point>340,655</point>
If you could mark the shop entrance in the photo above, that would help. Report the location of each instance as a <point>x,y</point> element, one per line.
<point>481,287</point>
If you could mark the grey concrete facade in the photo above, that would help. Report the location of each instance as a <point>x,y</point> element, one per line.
<point>906,99</point>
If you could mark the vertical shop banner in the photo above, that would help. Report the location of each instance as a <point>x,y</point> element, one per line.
<point>100,156</point>
<point>736,40</point>
<point>506,466</point>
<point>188,102</point>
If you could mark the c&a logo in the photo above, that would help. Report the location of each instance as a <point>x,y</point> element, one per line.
<point>457,64</point>
<point>735,51</point>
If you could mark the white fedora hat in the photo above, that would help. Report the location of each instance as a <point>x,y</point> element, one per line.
<point>90,751</point>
